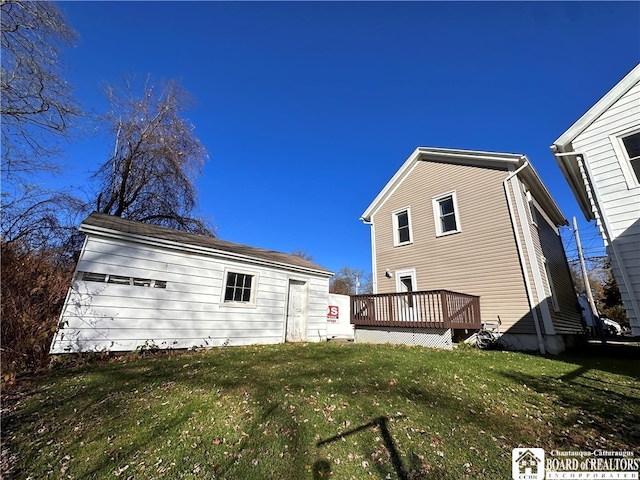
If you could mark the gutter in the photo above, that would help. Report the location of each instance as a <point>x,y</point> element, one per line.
<point>523,265</point>
<point>374,274</point>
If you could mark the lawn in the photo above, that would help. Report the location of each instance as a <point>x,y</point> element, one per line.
<point>328,410</point>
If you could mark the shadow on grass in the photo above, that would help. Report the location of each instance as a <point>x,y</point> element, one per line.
<point>272,379</point>
<point>380,423</point>
<point>595,391</point>
<point>616,358</point>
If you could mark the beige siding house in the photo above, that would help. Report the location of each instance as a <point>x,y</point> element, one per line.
<point>483,224</point>
<point>600,157</point>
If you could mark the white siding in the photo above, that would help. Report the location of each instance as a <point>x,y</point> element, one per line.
<point>187,313</point>
<point>620,203</point>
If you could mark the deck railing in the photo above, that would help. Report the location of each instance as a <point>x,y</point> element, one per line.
<point>429,309</point>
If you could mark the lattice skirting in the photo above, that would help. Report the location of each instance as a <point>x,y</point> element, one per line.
<point>427,337</point>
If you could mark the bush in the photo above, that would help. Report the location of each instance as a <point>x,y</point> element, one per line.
<point>34,288</point>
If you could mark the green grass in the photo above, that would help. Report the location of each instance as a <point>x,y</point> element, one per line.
<point>317,411</point>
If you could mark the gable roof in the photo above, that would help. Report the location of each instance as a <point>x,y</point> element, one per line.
<point>568,163</point>
<point>108,225</point>
<point>599,108</point>
<point>503,161</point>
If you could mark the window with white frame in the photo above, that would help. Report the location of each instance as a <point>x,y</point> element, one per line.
<point>552,290</point>
<point>627,147</point>
<point>631,144</point>
<point>240,288</point>
<point>445,213</point>
<point>402,234</point>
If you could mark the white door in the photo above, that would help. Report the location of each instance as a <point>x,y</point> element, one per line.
<point>406,283</point>
<point>296,312</point>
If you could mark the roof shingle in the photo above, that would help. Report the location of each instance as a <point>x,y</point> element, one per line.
<point>117,224</point>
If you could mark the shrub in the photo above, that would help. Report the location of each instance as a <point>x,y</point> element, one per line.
<point>34,288</point>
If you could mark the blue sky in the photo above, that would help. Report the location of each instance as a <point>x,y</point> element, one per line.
<point>307,109</point>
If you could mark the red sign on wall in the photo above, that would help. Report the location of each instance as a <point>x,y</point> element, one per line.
<point>333,314</point>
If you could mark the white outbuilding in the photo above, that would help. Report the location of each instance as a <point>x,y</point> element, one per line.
<point>144,286</point>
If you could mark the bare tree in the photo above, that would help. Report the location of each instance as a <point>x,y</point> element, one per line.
<point>37,107</point>
<point>39,220</point>
<point>36,101</point>
<point>346,279</point>
<point>302,253</point>
<point>156,158</point>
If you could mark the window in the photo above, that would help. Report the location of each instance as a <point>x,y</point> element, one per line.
<point>92,277</point>
<point>402,227</point>
<point>240,288</point>
<point>626,144</point>
<point>631,145</point>
<point>445,212</point>
<point>117,279</point>
<point>120,280</point>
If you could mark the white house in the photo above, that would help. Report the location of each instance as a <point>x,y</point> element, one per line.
<point>600,157</point>
<point>140,285</point>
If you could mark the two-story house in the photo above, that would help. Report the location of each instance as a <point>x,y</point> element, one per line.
<point>599,156</point>
<point>478,223</point>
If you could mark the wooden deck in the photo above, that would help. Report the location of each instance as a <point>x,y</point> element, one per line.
<point>427,309</point>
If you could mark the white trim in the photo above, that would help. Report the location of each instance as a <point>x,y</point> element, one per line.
<point>396,227</point>
<point>523,264</point>
<point>406,272</point>
<point>254,288</point>
<point>391,185</point>
<point>435,203</point>
<point>374,263</point>
<point>611,97</point>
<point>541,296</point>
<point>505,161</point>
<point>465,157</point>
<point>623,157</point>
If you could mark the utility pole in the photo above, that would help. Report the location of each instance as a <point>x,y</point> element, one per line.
<point>587,286</point>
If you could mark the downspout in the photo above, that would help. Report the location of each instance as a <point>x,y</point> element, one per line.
<point>523,264</point>
<point>374,274</point>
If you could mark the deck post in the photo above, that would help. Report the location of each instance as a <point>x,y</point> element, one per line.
<point>445,309</point>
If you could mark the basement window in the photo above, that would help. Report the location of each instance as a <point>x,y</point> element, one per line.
<point>120,280</point>
<point>92,277</point>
